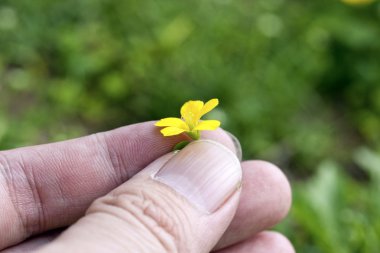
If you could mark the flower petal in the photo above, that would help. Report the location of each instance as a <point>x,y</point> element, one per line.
<point>190,111</point>
<point>211,104</point>
<point>170,131</point>
<point>207,125</point>
<point>172,122</point>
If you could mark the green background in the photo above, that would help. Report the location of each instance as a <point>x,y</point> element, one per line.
<point>298,83</point>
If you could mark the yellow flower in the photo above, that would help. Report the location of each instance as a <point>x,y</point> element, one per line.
<point>357,2</point>
<point>190,121</point>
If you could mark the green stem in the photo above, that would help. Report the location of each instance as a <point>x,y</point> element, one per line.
<point>194,135</point>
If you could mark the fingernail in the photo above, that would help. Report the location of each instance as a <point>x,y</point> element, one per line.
<point>204,172</point>
<point>236,142</point>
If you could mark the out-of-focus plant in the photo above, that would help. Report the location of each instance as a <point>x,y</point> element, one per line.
<point>299,81</point>
<point>335,213</point>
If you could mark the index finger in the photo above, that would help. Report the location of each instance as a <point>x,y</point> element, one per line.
<point>49,186</point>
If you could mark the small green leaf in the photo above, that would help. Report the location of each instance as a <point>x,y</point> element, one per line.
<point>180,145</point>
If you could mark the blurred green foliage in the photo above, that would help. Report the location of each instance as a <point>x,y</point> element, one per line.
<point>334,213</point>
<point>298,81</point>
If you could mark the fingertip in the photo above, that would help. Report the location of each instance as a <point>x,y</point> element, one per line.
<point>226,138</point>
<point>272,179</point>
<point>264,242</point>
<point>237,145</point>
<point>265,200</point>
<point>271,241</point>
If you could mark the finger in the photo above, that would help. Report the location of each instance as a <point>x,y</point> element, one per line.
<point>266,194</point>
<point>33,243</point>
<point>50,186</point>
<point>265,201</point>
<point>264,242</point>
<point>181,203</point>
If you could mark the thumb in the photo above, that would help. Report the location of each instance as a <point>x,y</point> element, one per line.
<point>182,202</point>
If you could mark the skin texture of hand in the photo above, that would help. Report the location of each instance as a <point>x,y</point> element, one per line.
<point>123,191</point>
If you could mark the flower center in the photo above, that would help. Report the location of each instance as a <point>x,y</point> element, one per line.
<point>191,120</point>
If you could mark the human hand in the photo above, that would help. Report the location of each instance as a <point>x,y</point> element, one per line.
<point>51,186</point>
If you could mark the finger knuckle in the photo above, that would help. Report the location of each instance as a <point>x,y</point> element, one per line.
<point>150,214</point>
<point>23,193</point>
